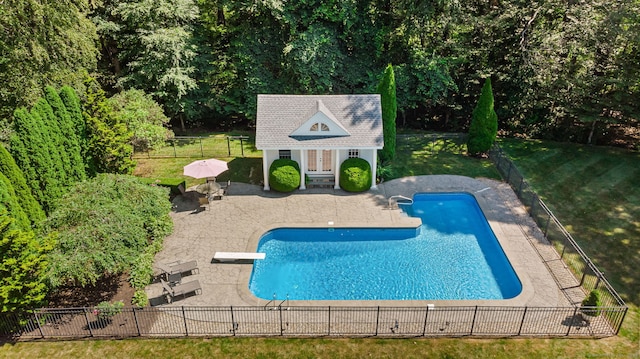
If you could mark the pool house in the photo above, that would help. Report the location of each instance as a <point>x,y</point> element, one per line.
<point>319,132</point>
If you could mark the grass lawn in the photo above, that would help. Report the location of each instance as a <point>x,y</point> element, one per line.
<point>592,190</point>
<point>595,193</point>
<point>322,348</point>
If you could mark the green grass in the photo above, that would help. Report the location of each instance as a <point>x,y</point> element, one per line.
<point>419,155</point>
<point>322,348</point>
<point>595,193</point>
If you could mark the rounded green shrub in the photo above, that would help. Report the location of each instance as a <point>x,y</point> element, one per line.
<point>592,302</point>
<point>355,175</point>
<point>284,175</point>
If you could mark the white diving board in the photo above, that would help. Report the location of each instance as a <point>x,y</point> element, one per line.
<point>234,256</point>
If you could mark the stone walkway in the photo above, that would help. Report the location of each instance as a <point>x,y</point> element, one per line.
<point>236,223</point>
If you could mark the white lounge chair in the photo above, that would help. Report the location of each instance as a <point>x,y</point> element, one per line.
<point>180,289</point>
<point>176,270</point>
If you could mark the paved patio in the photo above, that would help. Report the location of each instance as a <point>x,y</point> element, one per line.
<point>236,223</point>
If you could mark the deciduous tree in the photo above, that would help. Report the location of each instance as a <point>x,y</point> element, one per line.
<point>108,138</point>
<point>143,117</point>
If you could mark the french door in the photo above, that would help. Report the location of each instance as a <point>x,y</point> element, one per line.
<point>319,162</point>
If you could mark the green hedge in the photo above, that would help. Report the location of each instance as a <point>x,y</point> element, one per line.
<point>284,175</point>
<point>355,175</point>
<point>171,183</point>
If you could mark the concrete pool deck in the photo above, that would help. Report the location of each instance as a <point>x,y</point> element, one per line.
<point>236,223</point>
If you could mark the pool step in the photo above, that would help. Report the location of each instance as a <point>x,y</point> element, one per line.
<point>323,181</point>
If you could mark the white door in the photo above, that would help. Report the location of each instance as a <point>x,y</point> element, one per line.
<point>319,162</point>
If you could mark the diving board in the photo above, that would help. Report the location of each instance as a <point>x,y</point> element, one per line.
<point>236,256</point>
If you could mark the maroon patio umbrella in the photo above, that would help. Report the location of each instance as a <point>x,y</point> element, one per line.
<point>205,168</point>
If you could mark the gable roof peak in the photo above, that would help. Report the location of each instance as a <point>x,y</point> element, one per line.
<point>322,120</point>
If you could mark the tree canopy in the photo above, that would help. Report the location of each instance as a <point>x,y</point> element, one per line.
<point>561,70</point>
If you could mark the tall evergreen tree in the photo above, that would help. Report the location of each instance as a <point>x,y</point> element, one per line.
<point>108,138</point>
<point>74,108</point>
<point>484,123</point>
<point>53,139</point>
<point>70,143</point>
<point>9,203</point>
<point>23,264</point>
<point>31,152</point>
<point>25,198</point>
<point>387,91</point>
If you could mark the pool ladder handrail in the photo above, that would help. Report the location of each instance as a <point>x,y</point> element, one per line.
<point>398,196</point>
<point>266,306</point>
<point>278,306</point>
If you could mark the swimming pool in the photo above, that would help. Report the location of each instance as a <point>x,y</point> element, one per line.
<point>453,255</point>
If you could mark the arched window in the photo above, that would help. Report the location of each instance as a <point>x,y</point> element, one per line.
<point>324,127</point>
<point>314,127</point>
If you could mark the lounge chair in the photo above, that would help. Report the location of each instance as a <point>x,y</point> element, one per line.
<point>180,289</point>
<point>173,271</point>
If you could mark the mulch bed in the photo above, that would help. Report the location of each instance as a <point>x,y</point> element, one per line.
<point>110,289</point>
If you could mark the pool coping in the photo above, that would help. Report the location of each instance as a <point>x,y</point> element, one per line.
<point>237,222</point>
<point>521,299</point>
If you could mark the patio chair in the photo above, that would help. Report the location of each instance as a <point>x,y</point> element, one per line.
<point>173,272</point>
<point>217,195</point>
<point>180,289</point>
<point>204,201</point>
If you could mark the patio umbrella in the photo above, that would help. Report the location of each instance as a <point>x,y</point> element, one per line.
<point>205,168</point>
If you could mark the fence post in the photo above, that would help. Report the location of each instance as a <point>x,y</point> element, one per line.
<point>35,315</point>
<point>135,318</point>
<point>597,281</point>
<point>426,315</point>
<point>584,274</point>
<point>86,317</point>
<point>546,227</point>
<point>229,145</point>
<point>233,322</point>
<point>281,327</point>
<point>509,171</point>
<point>520,187</point>
<point>201,150</point>
<point>533,207</point>
<point>473,322</point>
<point>377,320</point>
<point>241,147</point>
<point>184,318</point>
<point>329,322</point>
<point>522,322</point>
<point>573,319</point>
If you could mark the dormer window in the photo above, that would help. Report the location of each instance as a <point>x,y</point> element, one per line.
<point>323,127</point>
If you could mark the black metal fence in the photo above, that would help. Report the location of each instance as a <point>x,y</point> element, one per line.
<point>587,274</point>
<point>428,321</point>
<point>200,147</point>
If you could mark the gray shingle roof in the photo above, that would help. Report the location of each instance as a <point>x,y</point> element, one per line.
<point>279,116</point>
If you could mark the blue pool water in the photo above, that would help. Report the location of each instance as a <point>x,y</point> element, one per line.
<point>452,255</point>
